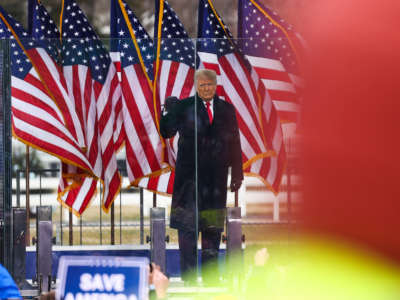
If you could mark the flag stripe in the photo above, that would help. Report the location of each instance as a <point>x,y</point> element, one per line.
<point>234,71</point>
<point>283,96</point>
<point>271,46</point>
<point>95,89</point>
<point>58,146</point>
<point>136,110</point>
<point>49,73</point>
<point>259,124</point>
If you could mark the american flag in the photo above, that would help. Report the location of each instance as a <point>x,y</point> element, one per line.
<point>175,55</point>
<point>92,81</point>
<point>134,49</point>
<point>44,32</point>
<point>260,131</point>
<point>76,188</point>
<point>272,47</point>
<point>39,97</point>
<point>173,76</point>
<point>162,184</point>
<point>43,29</point>
<point>119,137</point>
<point>175,63</point>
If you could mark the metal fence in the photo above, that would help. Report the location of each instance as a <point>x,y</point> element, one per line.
<point>127,221</point>
<point>71,230</point>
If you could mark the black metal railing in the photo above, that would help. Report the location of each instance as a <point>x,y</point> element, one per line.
<point>101,224</point>
<point>108,225</point>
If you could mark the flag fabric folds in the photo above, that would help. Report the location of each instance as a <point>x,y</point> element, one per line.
<point>175,63</point>
<point>93,84</point>
<point>70,99</point>
<point>132,47</point>
<point>174,67</point>
<point>175,55</point>
<point>273,48</point>
<point>76,188</point>
<point>39,99</point>
<point>260,131</point>
<point>162,184</point>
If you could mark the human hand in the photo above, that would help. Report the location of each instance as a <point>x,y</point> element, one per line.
<point>235,185</point>
<point>48,296</point>
<point>160,281</point>
<point>170,102</point>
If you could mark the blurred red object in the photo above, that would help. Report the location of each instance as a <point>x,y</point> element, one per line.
<point>351,123</point>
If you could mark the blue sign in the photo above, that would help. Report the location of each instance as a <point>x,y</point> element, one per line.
<point>102,278</point>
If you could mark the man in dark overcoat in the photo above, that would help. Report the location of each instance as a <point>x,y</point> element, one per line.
<point>209,124</point>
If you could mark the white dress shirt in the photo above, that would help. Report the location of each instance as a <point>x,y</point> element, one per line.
<point>211,106</point>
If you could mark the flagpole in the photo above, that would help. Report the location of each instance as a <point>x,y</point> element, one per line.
<point>27,203</point>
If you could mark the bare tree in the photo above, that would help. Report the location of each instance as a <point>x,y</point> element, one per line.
<point>98,12</point>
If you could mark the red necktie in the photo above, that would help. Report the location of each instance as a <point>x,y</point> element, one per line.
<point>210,115</point>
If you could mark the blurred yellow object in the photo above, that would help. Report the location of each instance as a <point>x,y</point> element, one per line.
<point>317,269</point>
<point>225,297</point>
<point>324,270</point>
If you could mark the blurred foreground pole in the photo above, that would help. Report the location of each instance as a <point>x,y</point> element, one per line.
<point>5,156</point>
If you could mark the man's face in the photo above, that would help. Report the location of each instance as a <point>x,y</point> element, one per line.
<point>206,88</point>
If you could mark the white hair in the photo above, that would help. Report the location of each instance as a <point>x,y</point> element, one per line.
<point>205,73</point>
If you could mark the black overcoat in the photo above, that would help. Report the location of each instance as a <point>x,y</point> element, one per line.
<point>218,147</point>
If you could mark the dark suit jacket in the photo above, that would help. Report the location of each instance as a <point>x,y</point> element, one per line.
<point>218,147</point>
